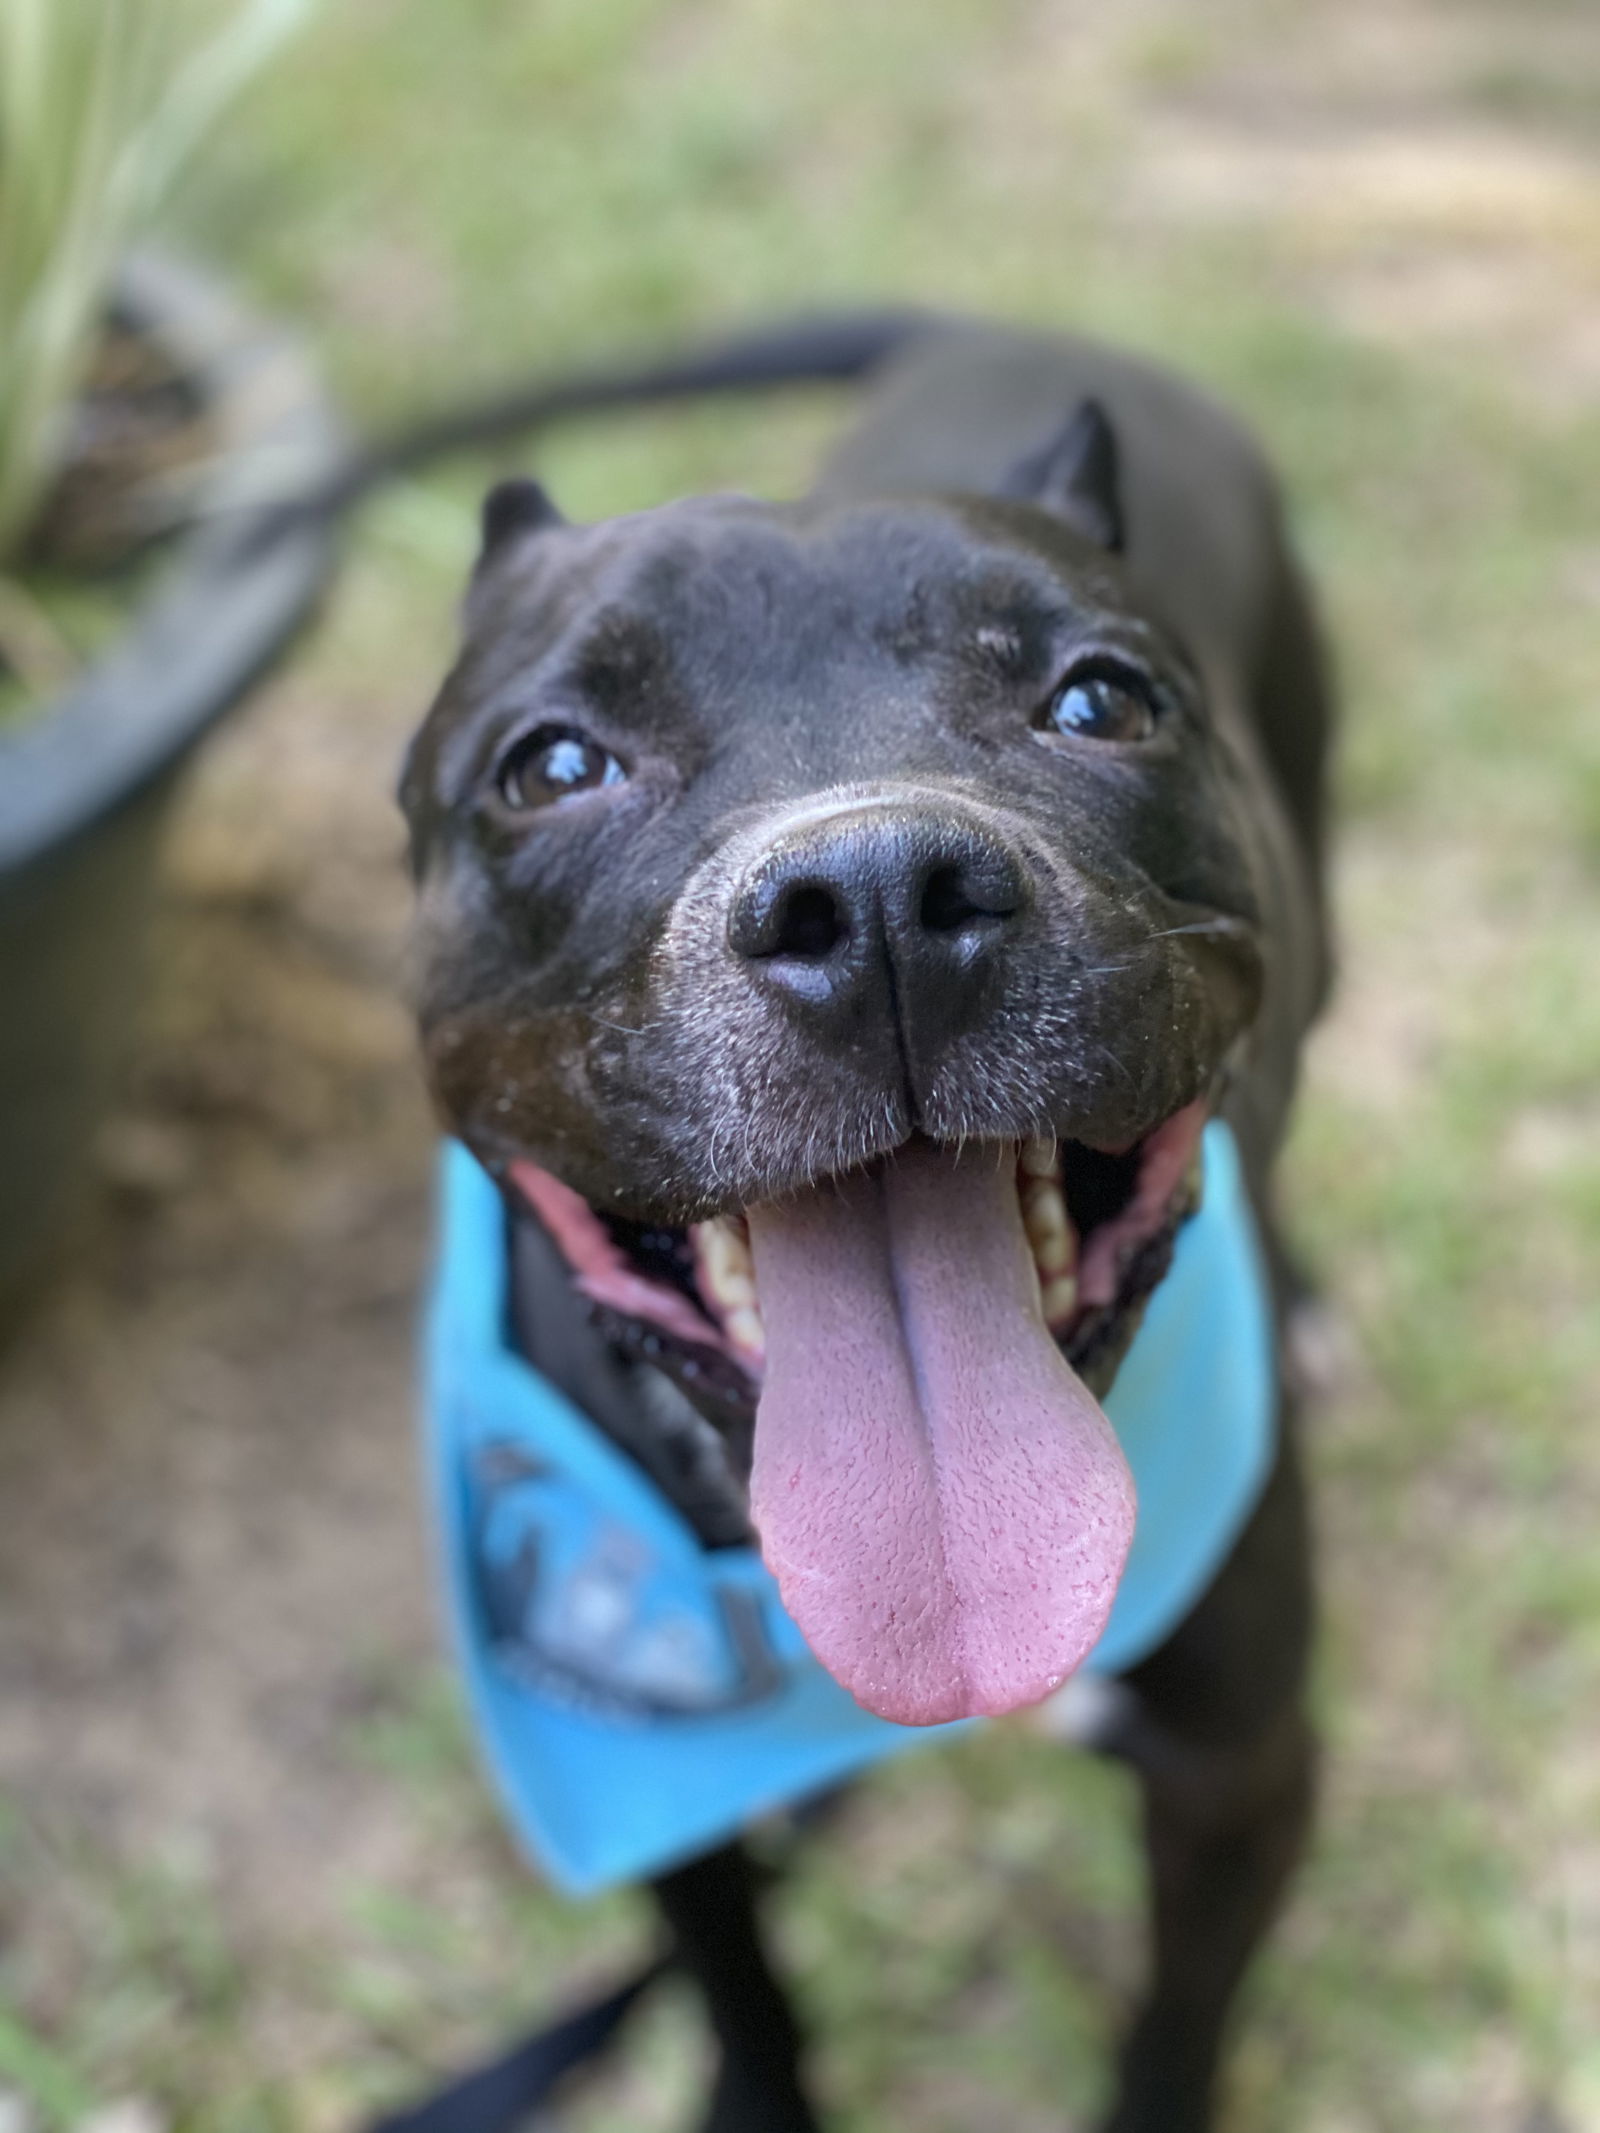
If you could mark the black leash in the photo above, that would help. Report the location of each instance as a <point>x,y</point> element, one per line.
<point>500,2096</point>
<point>835,348</point>
<point>702,1900</point>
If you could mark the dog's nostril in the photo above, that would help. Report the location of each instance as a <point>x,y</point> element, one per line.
<point>809,923</point>
<point>950,899</point>
<point>823,911</point>
<point>945,902</point>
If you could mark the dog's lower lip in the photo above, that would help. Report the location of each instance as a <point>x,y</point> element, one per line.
<point>691,1292</point>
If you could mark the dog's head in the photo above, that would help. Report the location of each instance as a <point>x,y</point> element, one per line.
<point>834,921</point>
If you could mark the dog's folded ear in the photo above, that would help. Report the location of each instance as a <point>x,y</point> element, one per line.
<point>1074,474</point>
<point>512,508</point>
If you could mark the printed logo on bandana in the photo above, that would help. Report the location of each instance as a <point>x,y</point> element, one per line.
<point>580,1610</point>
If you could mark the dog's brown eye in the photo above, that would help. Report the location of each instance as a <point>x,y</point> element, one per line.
<point>1101,704</point>
<point>553,763</point>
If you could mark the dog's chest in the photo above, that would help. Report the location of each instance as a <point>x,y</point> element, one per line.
<point>639,1696</point>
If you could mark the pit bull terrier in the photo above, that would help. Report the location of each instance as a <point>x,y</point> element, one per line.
<point>842,925</point>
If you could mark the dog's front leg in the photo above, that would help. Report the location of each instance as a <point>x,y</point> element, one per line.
<point>1223,1830</point>
<point>1215,1726</point>
<point>711,1907</point>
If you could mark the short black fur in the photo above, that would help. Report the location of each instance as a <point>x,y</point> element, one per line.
<point>1151,928</point>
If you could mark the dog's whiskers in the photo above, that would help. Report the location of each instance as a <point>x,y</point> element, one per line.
<point>1220,924</point>
<point>623,1029</point>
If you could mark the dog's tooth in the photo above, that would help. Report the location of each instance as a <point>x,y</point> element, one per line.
<point>737,1290</point>
<point>1039,1197</point>
<point>728,1279</point>
<point>732,1287</point>
<point>1059,1298</point>
<point>1038,1159</point>
<point>729,1268</point>
<point>1044,1211</point>
<point>745,1330</point>
<point>1053,1241</point>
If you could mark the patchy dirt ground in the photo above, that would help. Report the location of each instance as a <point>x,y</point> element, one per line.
<point>208,1530</point>
<point>247,1868</point>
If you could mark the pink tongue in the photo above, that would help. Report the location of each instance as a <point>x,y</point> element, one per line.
<point>942,1501</point>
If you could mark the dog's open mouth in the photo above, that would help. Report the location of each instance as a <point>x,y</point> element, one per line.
<point>936,1489</point>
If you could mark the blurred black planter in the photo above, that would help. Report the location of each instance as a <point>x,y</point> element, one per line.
<point>85,787</point>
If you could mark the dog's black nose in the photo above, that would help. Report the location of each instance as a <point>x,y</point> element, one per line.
<point>880,912</point>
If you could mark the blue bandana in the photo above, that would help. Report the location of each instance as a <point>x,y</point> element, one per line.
<point>640,1698</point>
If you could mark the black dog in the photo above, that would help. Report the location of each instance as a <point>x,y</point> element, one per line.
<point>796,881</point>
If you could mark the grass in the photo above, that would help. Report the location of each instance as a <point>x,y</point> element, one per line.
<point>453,194</point>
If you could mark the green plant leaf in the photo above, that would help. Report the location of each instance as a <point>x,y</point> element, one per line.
<point>102,104</point>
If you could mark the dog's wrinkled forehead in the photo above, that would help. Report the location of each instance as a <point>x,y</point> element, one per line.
<point>809,645</point>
